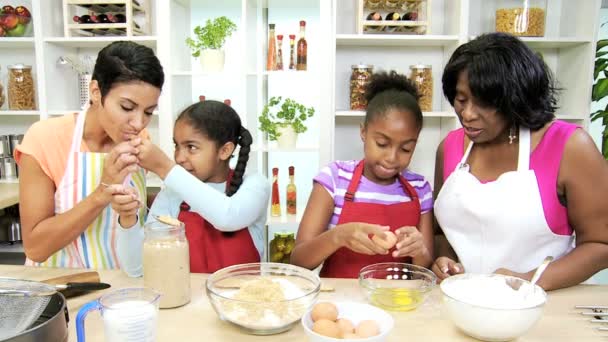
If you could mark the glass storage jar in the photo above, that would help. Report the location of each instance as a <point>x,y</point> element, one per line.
<point>166,260</point>
<point>281,246</point>
<point>359,80</point>
<point>2,96</point>
<point>422,76</point>
<point>21,87</point>
<point>525,18</point>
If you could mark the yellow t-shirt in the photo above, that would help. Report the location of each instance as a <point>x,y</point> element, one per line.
<point>49,142</point>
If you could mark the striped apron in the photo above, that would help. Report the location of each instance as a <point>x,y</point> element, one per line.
<point>96,246</point>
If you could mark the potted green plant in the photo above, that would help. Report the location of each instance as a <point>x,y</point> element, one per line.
<point>282,120</point>
<point>600,91</point>
<point>208,42</point>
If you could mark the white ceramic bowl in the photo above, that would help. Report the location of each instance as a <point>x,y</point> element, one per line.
<point>491,322</point>
<point>356,312</point>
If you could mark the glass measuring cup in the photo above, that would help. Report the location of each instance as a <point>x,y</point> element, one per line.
<point>129,314</point>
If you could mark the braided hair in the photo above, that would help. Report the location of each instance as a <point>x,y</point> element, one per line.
<point>221,124</point>
<point>391,90</point>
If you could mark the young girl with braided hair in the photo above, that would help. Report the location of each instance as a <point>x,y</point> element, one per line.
<point>223,209</point>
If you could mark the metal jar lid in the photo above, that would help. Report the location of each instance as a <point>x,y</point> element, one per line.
<point>421,66</point>
<point>19,66</point>
<point>362,66</point>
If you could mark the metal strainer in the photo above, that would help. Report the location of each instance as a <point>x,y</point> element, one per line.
<point>21,303</point>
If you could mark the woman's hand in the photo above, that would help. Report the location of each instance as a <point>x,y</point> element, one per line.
<point>356,237</point>
<point>121,161</point>
<point>444,267</point>
<point>125,201</point>
<point>152,158</point>
<point>410,242</point>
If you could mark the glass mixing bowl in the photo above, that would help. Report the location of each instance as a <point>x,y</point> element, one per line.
<point>246,295</point>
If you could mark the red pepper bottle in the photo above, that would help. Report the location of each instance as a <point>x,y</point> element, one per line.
<point>275,208</point>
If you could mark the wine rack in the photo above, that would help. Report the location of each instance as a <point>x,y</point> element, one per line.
<point>394,16</point>
<point>132,17</point>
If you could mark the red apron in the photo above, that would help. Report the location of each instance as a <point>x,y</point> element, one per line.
<point>345,263</point>
<point>212,249</point>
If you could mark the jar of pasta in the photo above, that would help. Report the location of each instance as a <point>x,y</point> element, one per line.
<point>21,94</point>
<point>422,76</point>
<point>2,97</point>
<point>359,80</point>
<point>166,260</point>
<point>524,18</point>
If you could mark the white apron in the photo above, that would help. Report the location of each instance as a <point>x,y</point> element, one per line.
<point>500,223</point>
<point>96,246</point>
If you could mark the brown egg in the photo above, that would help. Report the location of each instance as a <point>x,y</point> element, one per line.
<point>367,328</point>
<point>346,325</point>
<point>324,311</point>
<point>388,242</point>
<point>350,336</point>
<point>327,328</point>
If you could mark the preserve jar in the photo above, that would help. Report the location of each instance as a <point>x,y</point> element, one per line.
<point>359,80</point>
<point>2,96</point>
<point>21,94</point>
<point>422,76</point>
<point>281,246</point>
<point>525,18</point>
<point>166,260</point>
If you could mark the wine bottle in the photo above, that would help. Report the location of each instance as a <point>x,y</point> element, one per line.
<point>83,19</point>
<point>117,18</point>
<point>392,16</point>
<point>376,17</point>
<point>100,19</point>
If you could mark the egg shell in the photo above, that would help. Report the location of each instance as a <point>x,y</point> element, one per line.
<point>367,328</point>
<point>324,310</point>
<point>346,325</point>
<point>327,328</point>
<point>388,242</point>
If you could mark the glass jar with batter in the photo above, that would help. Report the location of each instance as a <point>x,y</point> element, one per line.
<point>166,260</point>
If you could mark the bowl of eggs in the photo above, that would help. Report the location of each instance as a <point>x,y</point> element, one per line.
<point>262,298</point>
<point>396,286</point>
<point>347,321</point>
<point>487,308</point>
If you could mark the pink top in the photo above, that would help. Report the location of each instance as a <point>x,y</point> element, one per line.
<point>544,160</point>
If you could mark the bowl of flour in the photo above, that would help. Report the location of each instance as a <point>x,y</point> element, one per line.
<point>487,308</point>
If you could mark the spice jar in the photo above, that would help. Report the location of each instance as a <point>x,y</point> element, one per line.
<point>281,246</point>
<point>359,80</point>
<point>166,260</point>
<point>422,76</point>
<point>21,87</point>
<point>2,97</point>
<point>521,17</point>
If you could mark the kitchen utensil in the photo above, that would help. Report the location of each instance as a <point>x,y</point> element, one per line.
<point>515,283</point>
<point>50,326</point>
<point>16,287</point>
<point>128,315</point>
<point>484,307</point>
<point>396,286</point>
<point>19,311</point>
<point>599,314</point>
<point>355,312</point>
<point>263,314</point>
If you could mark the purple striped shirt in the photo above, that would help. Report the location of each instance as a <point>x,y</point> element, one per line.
<point>336,176</point>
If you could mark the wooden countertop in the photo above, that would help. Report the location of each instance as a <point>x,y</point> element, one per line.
<point>9,194</point>
<point>197,320</point>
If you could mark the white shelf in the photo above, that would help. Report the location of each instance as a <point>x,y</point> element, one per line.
<point>264,148</point>
<point>9,181</point>
<point>360,113</point>
<point>19,112</point>
<point>284,219</point>
<point>551,43</point>
<point>14,248</point>
<point>17,42</point>
<point>99,42</point>
<point>395,40</point>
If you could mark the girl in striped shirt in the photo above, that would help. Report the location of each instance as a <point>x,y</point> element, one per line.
<point>362,212</point>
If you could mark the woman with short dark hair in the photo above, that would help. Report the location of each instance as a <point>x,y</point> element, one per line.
<point>515,184</point>
<point>74,168</point>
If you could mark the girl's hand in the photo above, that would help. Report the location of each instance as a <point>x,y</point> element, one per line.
<point>409,242</point>
<point>152,158</point>
<point>125,201</point>
<point>507,272</point>
<point>121,161</point>
<point>444,267</point>
<point>356,237</point>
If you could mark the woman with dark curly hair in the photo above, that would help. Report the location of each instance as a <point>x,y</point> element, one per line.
<point>514,184</point>
<point>377,196</point>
